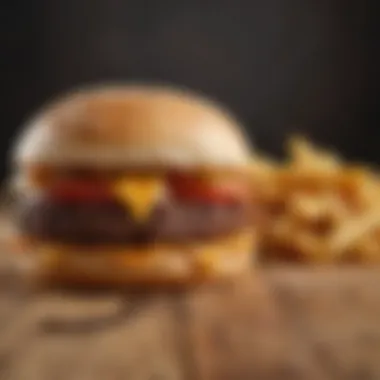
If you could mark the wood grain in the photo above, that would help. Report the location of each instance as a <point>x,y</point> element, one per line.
<point>336,314</point>
<point>276,324</point>
<point>141,345</point>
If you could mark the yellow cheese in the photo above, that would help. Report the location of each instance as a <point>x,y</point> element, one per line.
<point>139,195</point>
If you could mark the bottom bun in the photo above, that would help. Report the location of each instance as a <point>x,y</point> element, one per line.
<point>157,264</point>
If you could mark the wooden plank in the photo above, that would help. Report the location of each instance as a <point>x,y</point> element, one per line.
<point>45,343</point>
<point>238,332</point>
<point>336,314</point>
<point>289,324</point>
<point>296,324</point>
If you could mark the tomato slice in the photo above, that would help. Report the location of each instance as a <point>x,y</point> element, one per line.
<point>79,191</point>
<point>207,191</point>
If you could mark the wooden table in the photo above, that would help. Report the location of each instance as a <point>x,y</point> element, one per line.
<point>279,323</point>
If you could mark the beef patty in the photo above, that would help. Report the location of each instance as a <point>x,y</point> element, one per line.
<point>111,223</point>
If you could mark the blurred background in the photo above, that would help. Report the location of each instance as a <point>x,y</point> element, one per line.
<point>280,65</point>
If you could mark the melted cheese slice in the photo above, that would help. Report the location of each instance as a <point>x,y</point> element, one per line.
<point>139,195</point>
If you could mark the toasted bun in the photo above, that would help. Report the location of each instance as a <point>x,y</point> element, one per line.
<point>133,125</point>
<point>170,264</point>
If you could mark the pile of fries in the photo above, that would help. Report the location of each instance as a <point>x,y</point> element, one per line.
<point>317,208</point>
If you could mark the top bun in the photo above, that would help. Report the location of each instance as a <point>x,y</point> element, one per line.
<point>133,125</point>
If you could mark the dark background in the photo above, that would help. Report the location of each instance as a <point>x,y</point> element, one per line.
<point>281,65</point>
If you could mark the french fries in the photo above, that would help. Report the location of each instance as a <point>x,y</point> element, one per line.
<point>317,207</point>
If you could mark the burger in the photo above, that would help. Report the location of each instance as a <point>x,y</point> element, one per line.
<point>134,184</point>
